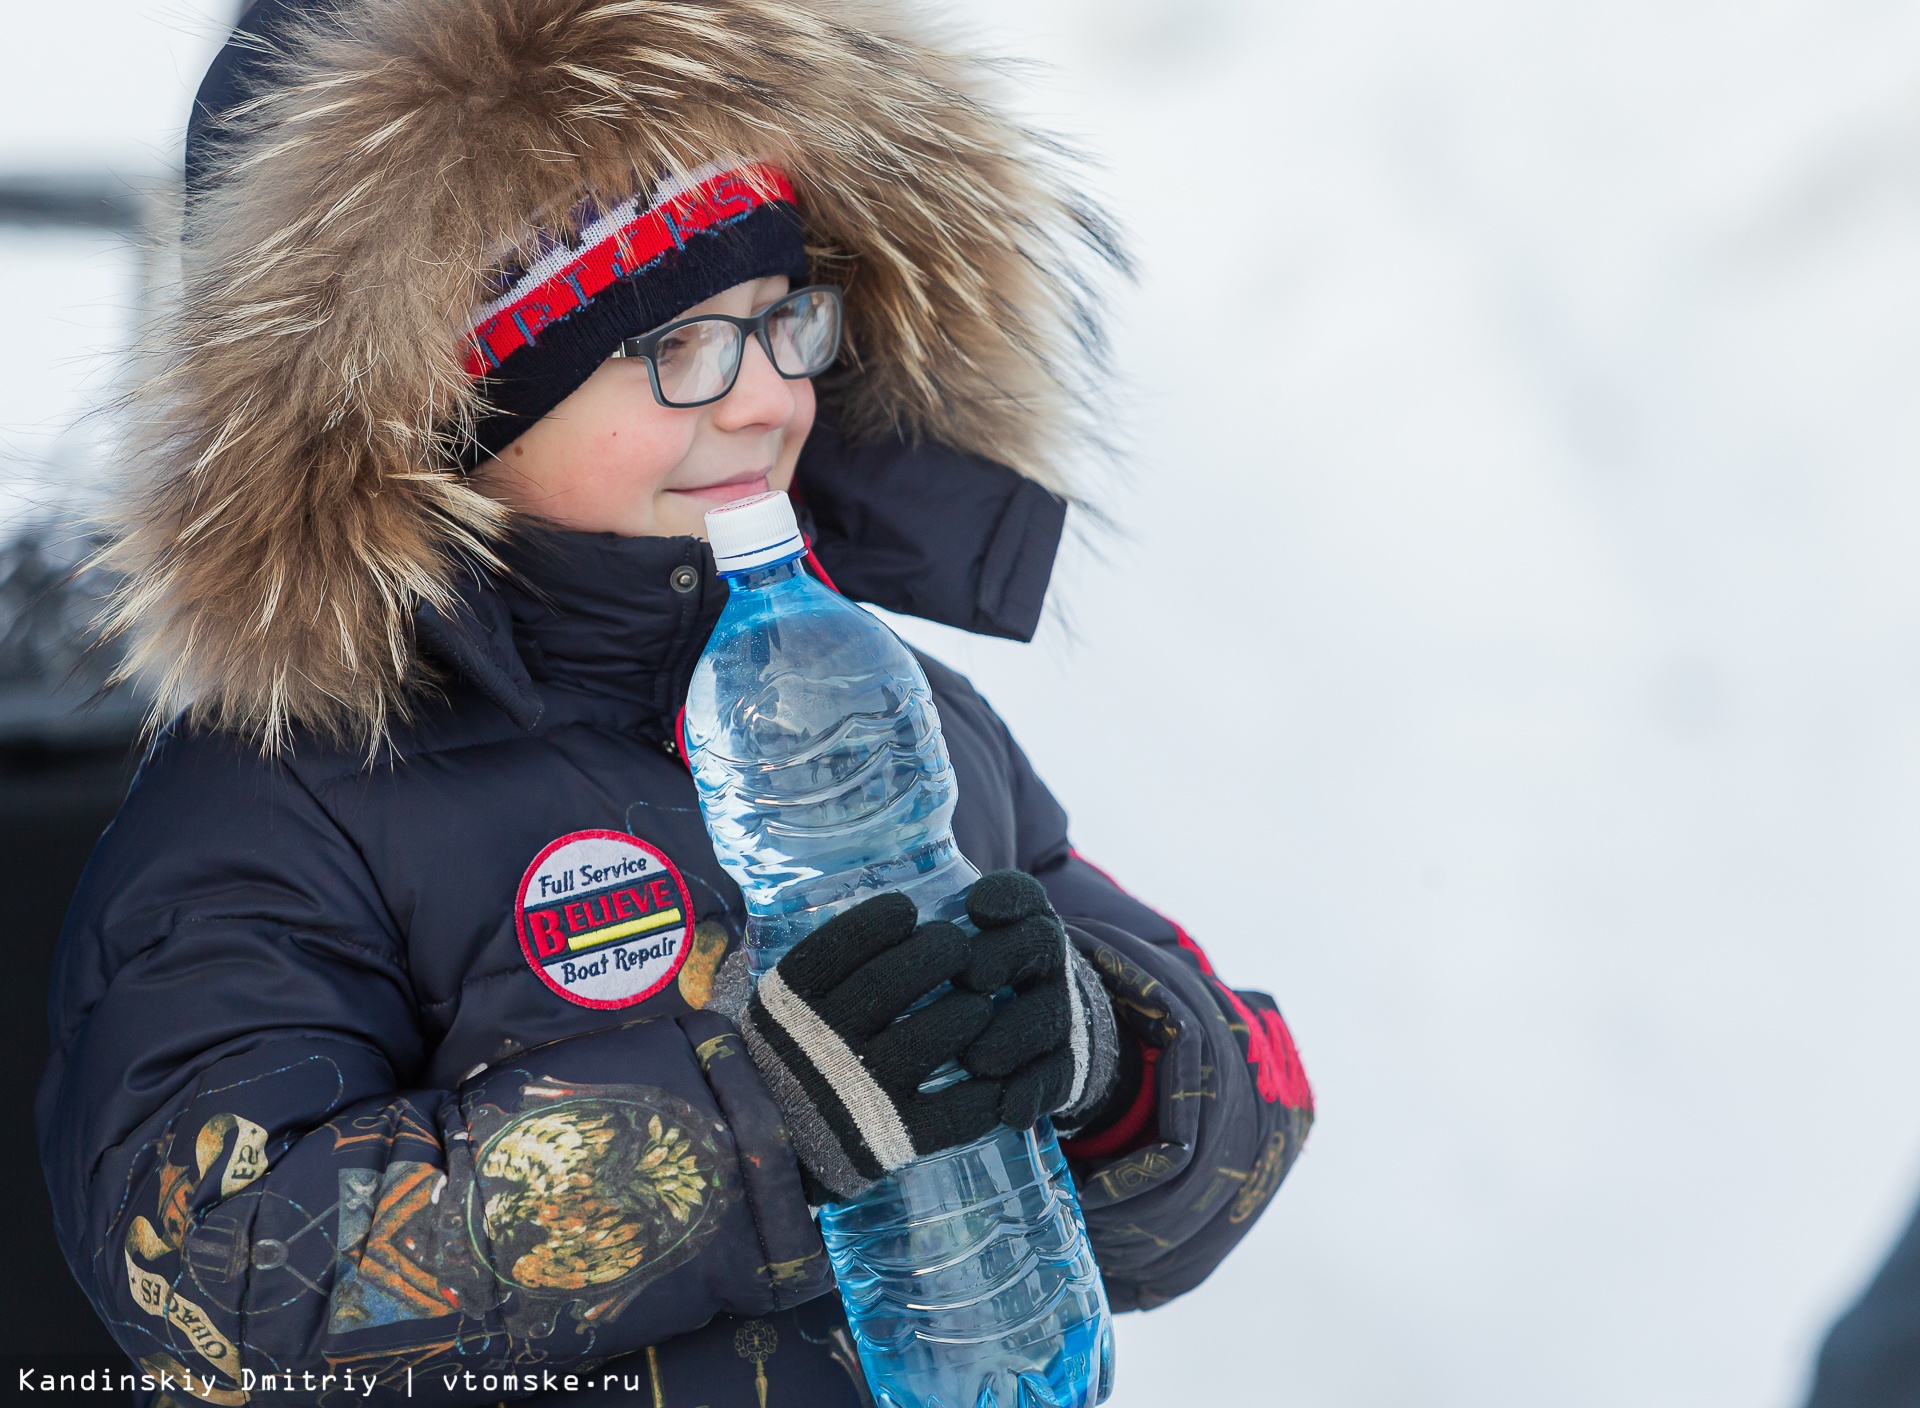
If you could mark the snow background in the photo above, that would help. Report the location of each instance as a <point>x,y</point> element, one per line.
<point>1507,652</point>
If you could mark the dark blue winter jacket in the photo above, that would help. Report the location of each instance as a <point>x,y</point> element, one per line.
<point>312,1110</point>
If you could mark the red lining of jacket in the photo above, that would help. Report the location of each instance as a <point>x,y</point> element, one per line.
<point>1135,1129</point>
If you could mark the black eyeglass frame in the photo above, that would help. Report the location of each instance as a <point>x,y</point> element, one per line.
<point>647,344</point>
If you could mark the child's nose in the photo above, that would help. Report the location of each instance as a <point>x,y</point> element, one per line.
<point>760,396</point>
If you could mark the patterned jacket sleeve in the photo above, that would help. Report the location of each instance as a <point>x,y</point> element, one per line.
<point>244,1178</point>
<point>1223,1104</point>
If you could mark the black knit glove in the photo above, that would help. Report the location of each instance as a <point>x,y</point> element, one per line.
<point>826,1028</point>
<point>1054,1046</point>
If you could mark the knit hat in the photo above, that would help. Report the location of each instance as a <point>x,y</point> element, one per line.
<point>627,270</point>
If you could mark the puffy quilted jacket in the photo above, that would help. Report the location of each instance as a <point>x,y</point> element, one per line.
<point>316,1107</point>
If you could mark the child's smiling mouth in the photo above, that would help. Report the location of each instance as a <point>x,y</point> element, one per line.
<point>725,491</point>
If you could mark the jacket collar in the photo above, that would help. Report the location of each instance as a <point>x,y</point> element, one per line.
<point>617,618</point>
<point>919,529</point>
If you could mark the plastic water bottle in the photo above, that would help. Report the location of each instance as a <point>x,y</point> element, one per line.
<point>823,778</point>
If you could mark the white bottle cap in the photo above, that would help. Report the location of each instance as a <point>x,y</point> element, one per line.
<point>755,532</point>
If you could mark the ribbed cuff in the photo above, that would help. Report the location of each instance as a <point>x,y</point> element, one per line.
<point>1101,1037</point>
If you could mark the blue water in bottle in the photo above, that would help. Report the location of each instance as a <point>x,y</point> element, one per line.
<point>823,778</point>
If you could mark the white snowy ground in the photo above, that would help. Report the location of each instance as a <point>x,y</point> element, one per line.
<point>1509,655</point>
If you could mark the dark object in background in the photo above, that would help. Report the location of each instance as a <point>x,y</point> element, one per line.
<point>1871,1357</point>
<point>54,803</point>
<point>65,759</point>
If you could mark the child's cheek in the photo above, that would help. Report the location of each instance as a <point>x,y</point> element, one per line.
<point>635,457</point>
<point>795,438</point>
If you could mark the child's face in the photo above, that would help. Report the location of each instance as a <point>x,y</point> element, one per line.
<point>611,459</point>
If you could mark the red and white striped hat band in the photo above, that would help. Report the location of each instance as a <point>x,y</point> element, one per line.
<point>618,244</point>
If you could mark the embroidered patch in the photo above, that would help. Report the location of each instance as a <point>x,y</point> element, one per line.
<point>604,918</point>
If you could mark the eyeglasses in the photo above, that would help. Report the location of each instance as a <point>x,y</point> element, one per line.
<point>695,361</point>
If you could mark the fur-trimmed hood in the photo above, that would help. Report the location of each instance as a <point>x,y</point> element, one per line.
<point>293,498</point>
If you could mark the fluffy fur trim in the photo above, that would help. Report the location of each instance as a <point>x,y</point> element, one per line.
<point>296,499</point>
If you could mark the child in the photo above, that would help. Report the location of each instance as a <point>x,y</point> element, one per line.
<point>397,1030</point>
